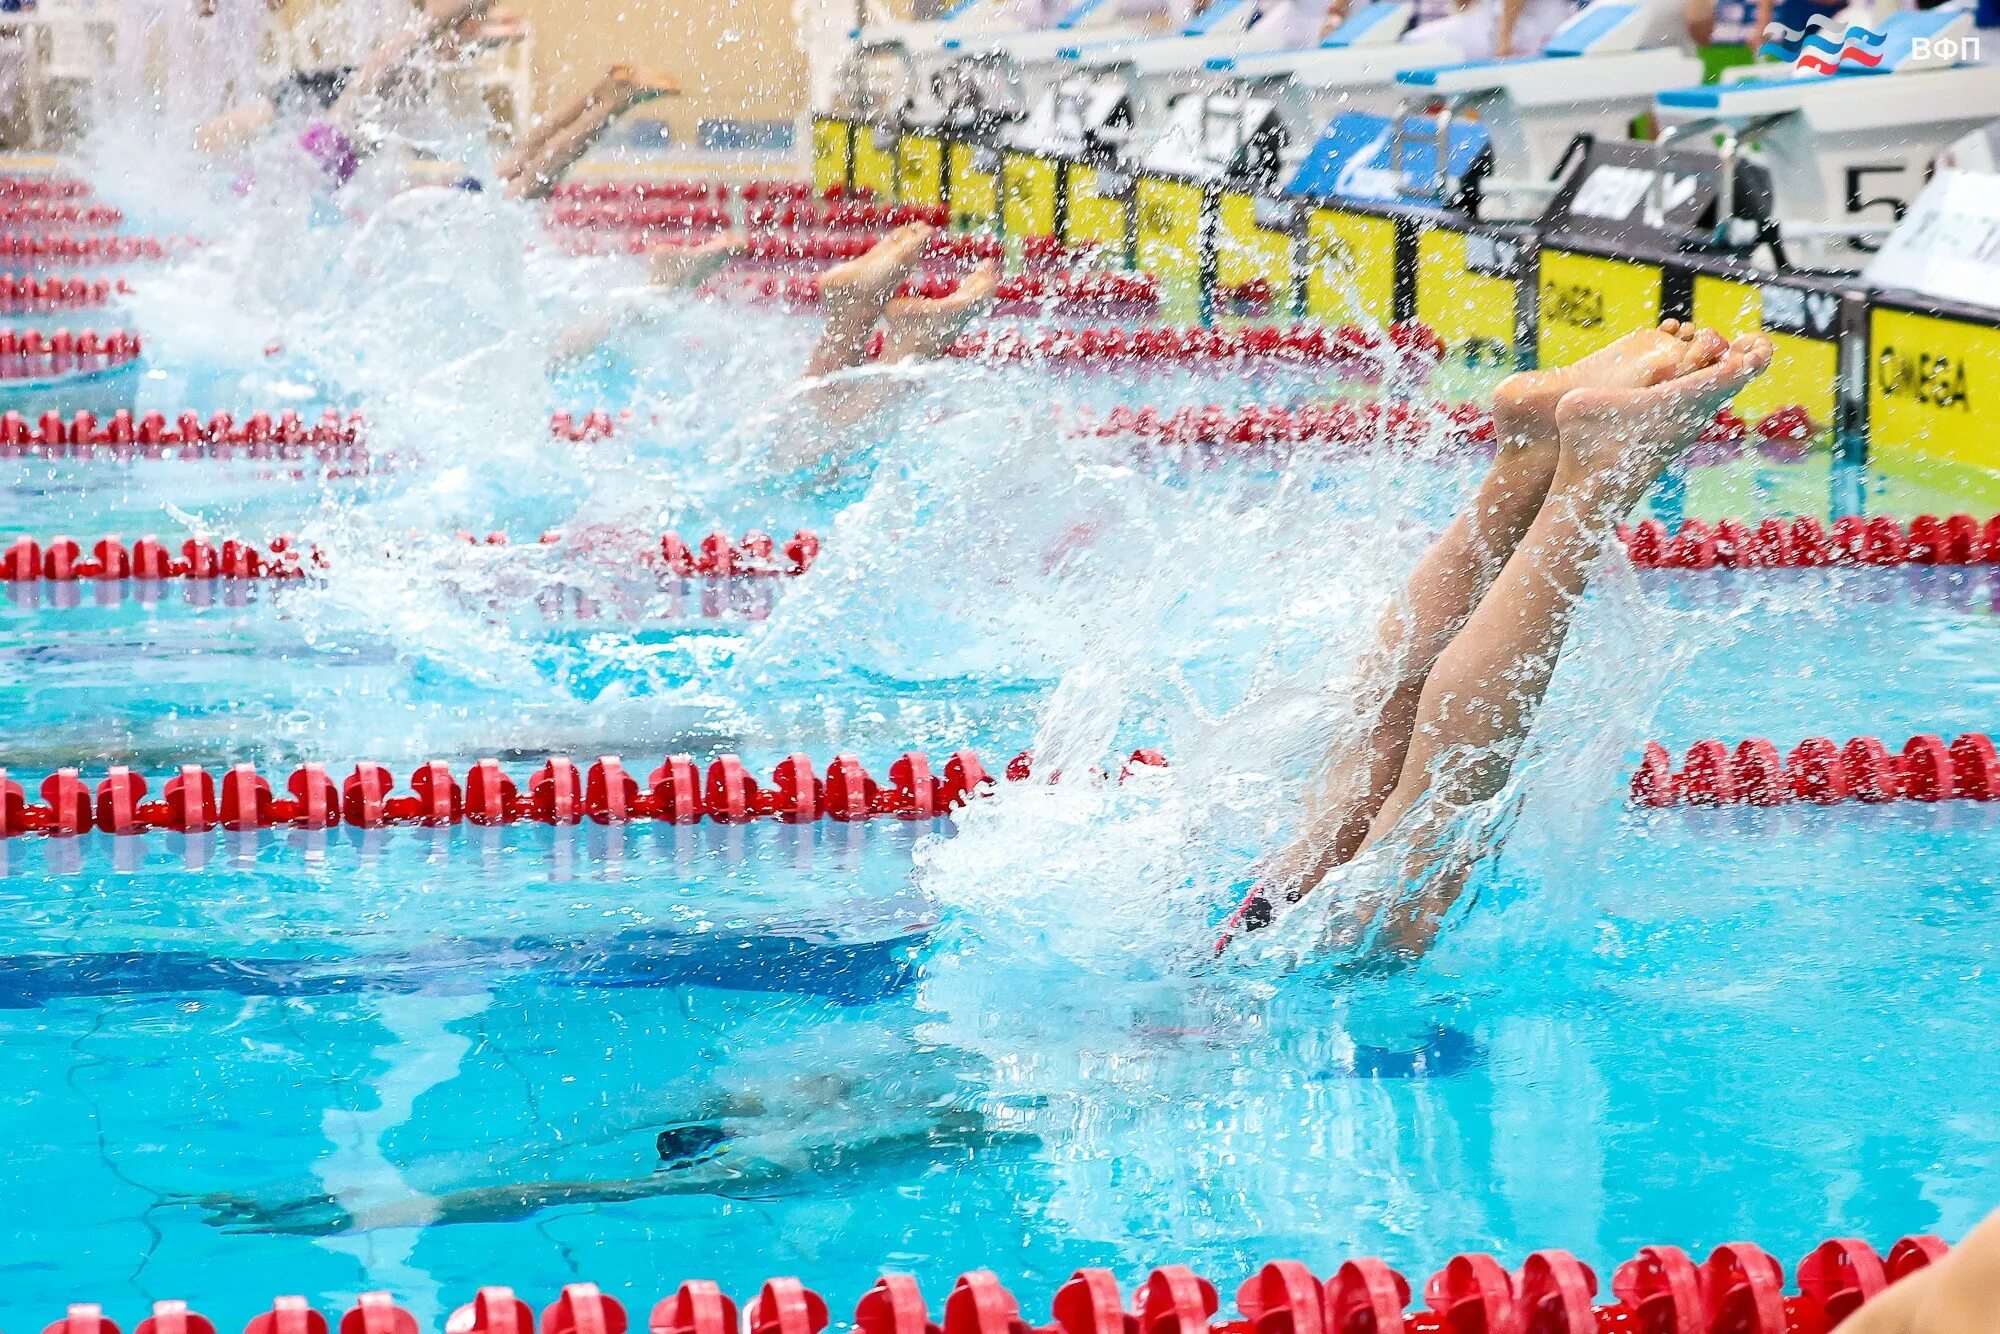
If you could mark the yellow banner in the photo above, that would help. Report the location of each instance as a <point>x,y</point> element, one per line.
<point>1028,195</point>
<point>975,193</point>
<point>1929,381</point>
<point>1472,312</point>
<point>1246,252</point>
<point>920,170</point>
<point>1094,219</point>
<point>832,152</point>
<point>875,160</point>
<point>1169,231</point>
<point>1350,267</point>
<point>1804,370</point>
<point>1586,303</point>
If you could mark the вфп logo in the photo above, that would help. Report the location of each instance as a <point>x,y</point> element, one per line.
<point>1815,51</point>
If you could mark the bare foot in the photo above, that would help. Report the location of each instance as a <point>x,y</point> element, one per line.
<point>440,16</point>
<point>1524,405</point>
<point>637,85</point>
<point>867,280</point>
<point>920,328</point>
<point>854,293</point>
<point>1634,433</point>
<point>680,267</point>
<point>496,29</point>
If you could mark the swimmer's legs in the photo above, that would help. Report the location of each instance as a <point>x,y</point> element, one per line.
<point>677,268</point>
<point>1958,1294</point>
<point>1481,697</point>
<point>1447,584</point>
<point>536,137</point>
<point>921,328</point>
<point>854,293</point>
<point>431,30</point>
<point>235,129</point>
<point>532,173</point>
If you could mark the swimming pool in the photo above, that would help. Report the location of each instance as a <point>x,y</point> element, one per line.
<point>426,1059</point>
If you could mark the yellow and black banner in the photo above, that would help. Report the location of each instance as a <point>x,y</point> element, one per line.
<point>874,168</point>
<point>1586,302</point>
<point>972,185</point>
<point>1929,378</point>
<point>1030,195</point>
<point>833,153</point>
<point>1098,209</point>
<point>920,170</point>
<point>1350,267</point>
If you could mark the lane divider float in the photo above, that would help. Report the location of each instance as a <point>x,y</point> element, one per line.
<point>677,792</point>
<point>597,424</point>
<point>39,185</point>
<point>1084,292</point>
<point>66,560</point>
<point>90,249</point>
<point>1820,771</point>
<point>257,435</point>
<point>1341,422</point>
<point>639,215</point>
<point>53,432</point>
<point>1738,1289</point>
<point>26,294</point>
<point>1806,543</point>
<point>685,190</point>
<point>25,212</point>
<point>30,354</point>
<point>803,215</point>
<point>833,247</point>
<point>1348,345</point>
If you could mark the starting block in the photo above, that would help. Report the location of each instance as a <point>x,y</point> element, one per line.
<point>1845,151</point>
<point>1354,68</point>
<point>1600,71</point>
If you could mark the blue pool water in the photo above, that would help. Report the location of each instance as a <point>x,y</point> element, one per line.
<point>427,1060</point>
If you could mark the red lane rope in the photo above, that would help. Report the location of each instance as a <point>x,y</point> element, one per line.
<point>677,792</point>
<point>32,354</point>
<point>57,213</point>
<point>832,247</point>
<point>1821,771</point>
<point>1082,292</point>
<point>53,432</point>
<point>639,214</point>
<point>1300,344</point>
<point>841,216</point>
<point>1806,543</point>
<point>26,294</point>
<point>1344,423</point>
<point>257,435</point>
<point>687,190</point>
<point>595,425</point>
<point>15,186</point>
<point>66,560</point>
<point>1739,1288</point>
<point>90,249</point>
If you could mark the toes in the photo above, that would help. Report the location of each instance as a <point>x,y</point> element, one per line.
<point>1704,348</point>
<point>1756,351</point>
<point>1657,365</point>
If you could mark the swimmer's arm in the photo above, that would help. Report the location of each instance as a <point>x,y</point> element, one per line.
<point>585,336</point>
<point>1761,21</point>
<point>235,129</point>
<point>1959,1294</point>
<point>507,1204</point>
<point>1503,31</point>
